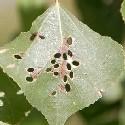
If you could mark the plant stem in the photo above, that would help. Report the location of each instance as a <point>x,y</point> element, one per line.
<point>57,1</point>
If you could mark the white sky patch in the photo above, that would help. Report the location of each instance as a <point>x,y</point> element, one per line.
<point>2,94</point>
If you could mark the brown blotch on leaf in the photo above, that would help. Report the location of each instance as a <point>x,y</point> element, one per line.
<point>48,69</point>
<point>69,40</point>
<point>33,36</point>
<point>70,53</point>
<point>54,93</point>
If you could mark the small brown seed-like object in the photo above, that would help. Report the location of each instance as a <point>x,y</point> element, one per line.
<point>69,40</point>
<point>56,73</point>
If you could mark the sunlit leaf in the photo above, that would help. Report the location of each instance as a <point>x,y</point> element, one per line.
<point>1,123</point>
<point>123,10</point>
<point>61,64</point>
<point>13,104</point>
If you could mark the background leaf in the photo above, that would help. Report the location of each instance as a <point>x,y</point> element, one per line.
<point>101,62</point>
<point>29,10</point>
<point>13,104</point>
<point>103,16</point>
<point>123,10</point>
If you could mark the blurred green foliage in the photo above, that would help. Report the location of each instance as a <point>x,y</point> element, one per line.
<point>29,10</point>
<point>103,16</point>
<point>14,106</point>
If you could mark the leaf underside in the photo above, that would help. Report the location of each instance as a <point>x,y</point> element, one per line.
<point>123,10</point>
<point>100,61</point>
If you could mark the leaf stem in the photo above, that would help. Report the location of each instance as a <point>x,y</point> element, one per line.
<point>57,1</point>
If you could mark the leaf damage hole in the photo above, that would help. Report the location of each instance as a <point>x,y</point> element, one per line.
<point>36,34</point>
<point>65,78</point>
<point>48,69</point>
<point>71,75</point>
<point>34,73</point>
<point>30,69</point>
<point>54,93</point>
<point>70,53</point>
<point>19,56</point>
<point>57,55</point>
<point>56,73</point>
<point>68,66</point>
<point>64,56</point>
<point>53,61</point>
<point>63,62</point>
<point>75,63</point>
<point>29,79</point>
<point>68,87</point>
<point>56,65</point>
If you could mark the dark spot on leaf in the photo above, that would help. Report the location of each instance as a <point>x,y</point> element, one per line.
<point>75,63</point>
<point>30,69</point>
<point>68,87</point>
<point>33,36</point>
<point>56,73</point>
<point>56,65</point>
<point>69,40</point>
<point>71,75</point>
<point>42,37</point>
<point>65,78</point>
<point>48,69</point>
<point>29,79</point>
<point>54,93</point>
<point>17,57</point>
<point>70,53</point>
<point>68,66</point>
<point>53,61</point>
<point>64,56</point>
<point>57,55</point>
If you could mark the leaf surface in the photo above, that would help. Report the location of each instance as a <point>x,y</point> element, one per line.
<point>88,64</point>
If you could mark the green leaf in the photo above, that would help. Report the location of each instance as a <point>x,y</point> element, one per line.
<point>29,10</point>
<point>123,10</point>
<point>13,104</point>
<point>103,16</point>
<point>99,61</point>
